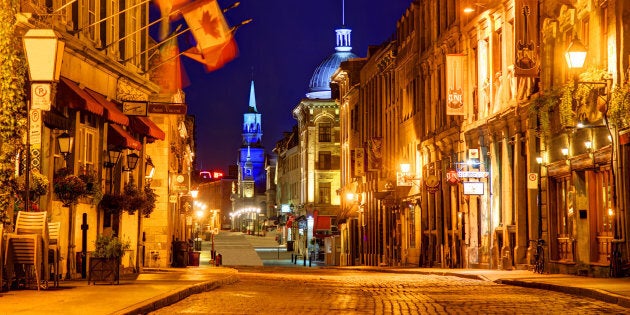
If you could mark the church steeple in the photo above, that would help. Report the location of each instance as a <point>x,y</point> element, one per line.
<point>252,122</point>
<point>252,99</point>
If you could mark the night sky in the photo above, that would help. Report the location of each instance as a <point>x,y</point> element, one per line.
<point>280,49</point>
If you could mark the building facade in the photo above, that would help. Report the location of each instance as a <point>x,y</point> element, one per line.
<point>480,141</point>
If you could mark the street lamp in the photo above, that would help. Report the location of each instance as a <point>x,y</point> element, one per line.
<point>112,157</point>
<point>65,141</point>
<point>44,54</point>
<point>132,162</point>
<point>575,54</point>
<point>149,170</point>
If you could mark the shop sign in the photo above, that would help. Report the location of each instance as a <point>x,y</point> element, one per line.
<point>179,182</point>
<point>474,188</point>
<point>432,183</point>
<point>472,174</point>
<point>451,177</point>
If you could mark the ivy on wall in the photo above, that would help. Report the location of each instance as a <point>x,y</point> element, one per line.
<point>568,99</point>
<point>619,108</point>
<point>544,104</point>
<point>12,103</point>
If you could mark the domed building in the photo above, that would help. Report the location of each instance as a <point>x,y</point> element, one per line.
<point>314,200</point>
<point>319,86</point>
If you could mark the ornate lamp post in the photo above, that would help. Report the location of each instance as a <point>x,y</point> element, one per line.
<point>44,54</point>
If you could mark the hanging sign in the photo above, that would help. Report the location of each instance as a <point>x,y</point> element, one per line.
<point>359,162</point>
<point>451,177</point>
<point>454,84</point>
<point>432,183</point>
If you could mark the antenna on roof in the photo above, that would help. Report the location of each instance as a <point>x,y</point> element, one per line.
<point>343,12</point>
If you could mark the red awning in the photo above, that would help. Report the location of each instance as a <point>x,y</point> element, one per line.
<point>118,136</point>
<point>112,113</point>
<point>322,223</point>
<point>76,98</point>
<point>144,125</point>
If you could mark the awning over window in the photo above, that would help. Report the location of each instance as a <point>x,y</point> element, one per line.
<point>322,223</point>
<point>112,113</point>
<point>76,98</point>
<point>118,136</point>
<point>144,125</point>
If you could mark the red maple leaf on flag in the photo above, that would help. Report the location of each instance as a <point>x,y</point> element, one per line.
<point>210,25</point>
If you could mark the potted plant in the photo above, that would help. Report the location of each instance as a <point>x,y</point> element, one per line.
<point>68,187</point>
<point>105,260</point>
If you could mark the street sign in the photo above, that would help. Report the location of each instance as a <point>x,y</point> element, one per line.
<point>35,132</point>
<point>40,96</point>
<point>472,174</point>
<point>167,108</point>
<point>532,181</point>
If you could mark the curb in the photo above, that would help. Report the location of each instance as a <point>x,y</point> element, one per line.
<point>167,299</point>
<point>596,294</point>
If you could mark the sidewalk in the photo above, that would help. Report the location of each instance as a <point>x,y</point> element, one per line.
<point>136,294</point>
<point>155,288</point>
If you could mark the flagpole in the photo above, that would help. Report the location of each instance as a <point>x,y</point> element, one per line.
<point>138,30</point>
<point>172,36</point>
<point>232,30</point>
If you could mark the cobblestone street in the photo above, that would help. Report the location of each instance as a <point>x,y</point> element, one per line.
<point>282,290</point>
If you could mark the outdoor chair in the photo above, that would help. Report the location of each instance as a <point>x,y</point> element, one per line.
<point>53,249</point>
<point>26,245</point>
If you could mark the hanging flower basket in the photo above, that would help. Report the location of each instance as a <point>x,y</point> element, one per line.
<point>150,198</point>
<point>38,184</point>
<point>133,198</point>
<point>111,204</point>
<point>69,189</point>
<point>93,186</point>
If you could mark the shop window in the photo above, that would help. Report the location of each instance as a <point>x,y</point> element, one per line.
<point>600,190</point>
<point>564,218</point>
<point>411,219</point>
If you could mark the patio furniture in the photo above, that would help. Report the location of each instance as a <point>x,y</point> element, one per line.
<point>27,244</point>
<point>53,250</point>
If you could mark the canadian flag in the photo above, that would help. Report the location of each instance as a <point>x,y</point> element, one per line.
<point>215,41</point>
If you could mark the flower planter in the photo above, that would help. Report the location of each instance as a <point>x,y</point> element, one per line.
<point>104,270</point>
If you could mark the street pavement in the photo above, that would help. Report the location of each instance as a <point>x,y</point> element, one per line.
<point>157,287</point>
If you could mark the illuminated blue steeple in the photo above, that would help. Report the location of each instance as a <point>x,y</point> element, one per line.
<point>252,124</point>
<point>252,154</point>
